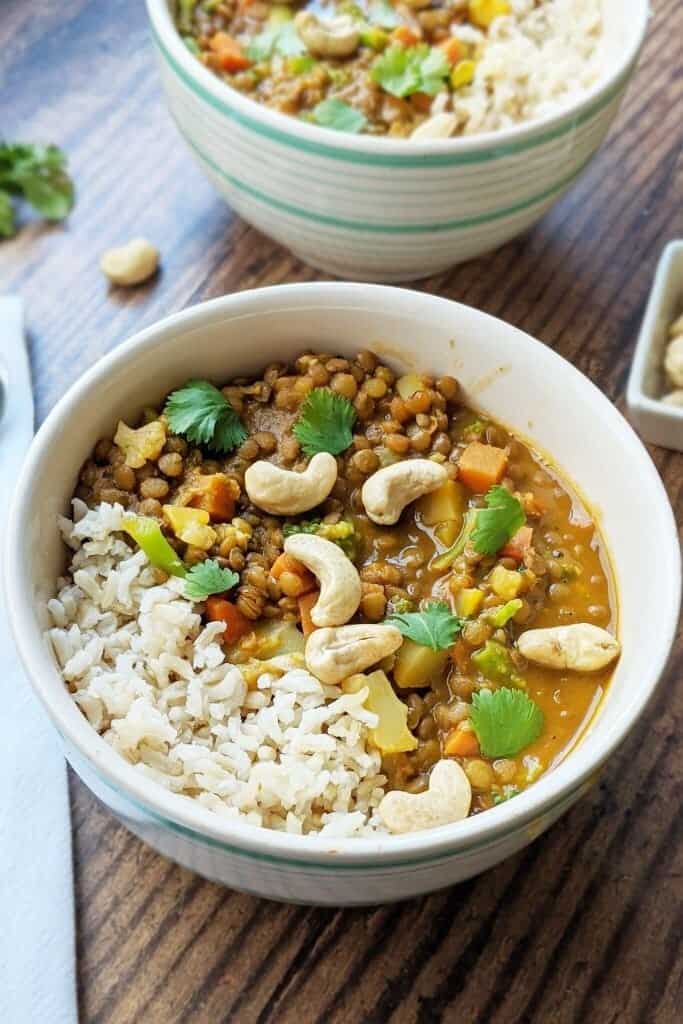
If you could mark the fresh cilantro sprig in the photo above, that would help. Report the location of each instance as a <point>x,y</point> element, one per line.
<point>279,39</point>
<point>505,721</point>
<point>342,117</point>
<point>498,522</point>
<point>206,578</point>
<point>325,423</point>
<point>202,414</point>
<point>404,70</point>
<point>435,626</point>
<point>38,173</point>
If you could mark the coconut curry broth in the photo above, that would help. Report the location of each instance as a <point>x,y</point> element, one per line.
<point>561,576</point>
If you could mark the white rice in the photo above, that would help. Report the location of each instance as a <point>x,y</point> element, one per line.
<point>533,62</point>
<point>289,754</point>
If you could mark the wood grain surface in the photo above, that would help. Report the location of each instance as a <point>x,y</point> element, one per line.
<point>585,925</point>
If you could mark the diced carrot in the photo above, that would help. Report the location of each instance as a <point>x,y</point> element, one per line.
<point>481,466</point>
<point>452,49</point>
<point>461,743</point>
<point>405,35</point>
<point>285,563</point>
<point>218,609</point>
<point>519,544</point>
<point>229,53</point>
<point>306,602</point>
<point>216,493</point>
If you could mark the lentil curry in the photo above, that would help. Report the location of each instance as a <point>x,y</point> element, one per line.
<point>398,67</point>
<point>485,574</point>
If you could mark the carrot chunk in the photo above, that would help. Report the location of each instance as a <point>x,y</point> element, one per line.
<point>218,609</point>
<point>405,35</point>
<point>481,466</point>
<point>452,49</point>
<point>519,544</point>
<point>461,743</point>
<point>306,602</point>
<point>285,563</point>
<point>229,54</point>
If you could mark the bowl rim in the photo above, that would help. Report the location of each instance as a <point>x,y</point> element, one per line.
<point>547,797</point>
<point>370,149</point>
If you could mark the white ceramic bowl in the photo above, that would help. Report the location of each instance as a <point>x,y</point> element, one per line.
<point>379,209</point>
<point>505,372</point>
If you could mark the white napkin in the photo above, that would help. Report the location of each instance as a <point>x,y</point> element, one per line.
<point>37,951</point>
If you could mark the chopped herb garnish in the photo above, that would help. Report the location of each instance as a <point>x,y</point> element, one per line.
<point>435,626</point>
<point>342,117</point>
<point>207,578</point>
<point>203,415</point>
<point>279,39</point>
<point>38,173</point>
<point>498,522</point>
<point>403,70</point>
<point>325,423</point>
<point>382,13</point>
<point>505,721</point>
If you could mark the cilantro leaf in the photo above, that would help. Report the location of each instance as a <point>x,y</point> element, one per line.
<point>498,522</point>
<point>505,721</point>
<point>325,423</point>
<point>342,117</point>
<point>403,70</point>
<point>382,13</point>
<point>38,173</point>
<point>203,414</point>
<point>279,39</point>
<point>207,578</point>
<point>435,626</point>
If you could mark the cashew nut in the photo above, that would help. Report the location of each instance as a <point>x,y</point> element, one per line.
<point>284,493</point>
<point>447,800</point>
<point>337,575</point>
<point>439,126</point>
<point>387,492</point>
<point>673,361</point>
<point>333,37</point>
<point>130,264</point>
<point>674,398</point>
<point>581,647</point>
<point>335,654</point>
<point>676,327</point>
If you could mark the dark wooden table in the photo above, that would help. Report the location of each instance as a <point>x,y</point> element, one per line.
<point>584,926</point>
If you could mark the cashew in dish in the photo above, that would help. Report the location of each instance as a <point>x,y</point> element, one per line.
<point>387,492</point>
<point>439,126</point>
<point>674,398</point>
<point>581,647</point>
<point>284,493</point>
<point>130,264</point>
<point>331,37</point>
<point>673,361</point>
<point>447,800</point>
<point>337,575</point>
<point>335,654</point>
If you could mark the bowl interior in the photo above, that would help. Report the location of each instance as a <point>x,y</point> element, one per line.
<point>504,372</point>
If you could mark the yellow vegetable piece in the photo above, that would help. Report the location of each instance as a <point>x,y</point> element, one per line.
<point>409,383</point>
<point>463,73</point>
<point>417,665</point>
<point>392,735</point>
<point>444,509</point>
<point>483,12</point>
<point>142,444</point>
<point>190,525</point>
<point>505,582</point>
<point>468,602</point>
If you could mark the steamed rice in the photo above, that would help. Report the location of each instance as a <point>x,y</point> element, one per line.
<point>290,753</point>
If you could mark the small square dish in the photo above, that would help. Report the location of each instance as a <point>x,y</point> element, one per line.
<point>656,421</point>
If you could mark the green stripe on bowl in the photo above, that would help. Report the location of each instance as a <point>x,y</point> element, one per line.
<point>388,160</point>
<point>384,229</point>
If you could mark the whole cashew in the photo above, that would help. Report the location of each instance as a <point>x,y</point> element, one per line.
<point>387,492</point>
<point>439,126</point>
<point>334,654</point>
<point>339,581</point>
<point>130,264</point>
<point>447,800</point>
<point>333,37</point>
<point>673,361</point>
<point>581,647</point>
<point>673,398</point>
<point>284,493</point>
